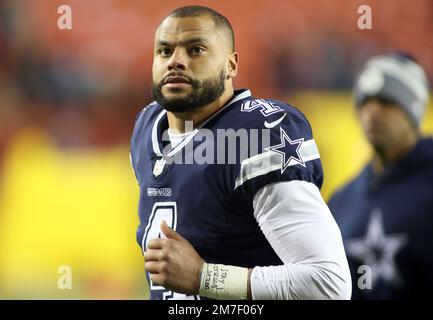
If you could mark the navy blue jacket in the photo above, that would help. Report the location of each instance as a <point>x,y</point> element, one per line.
<point>386,222</point>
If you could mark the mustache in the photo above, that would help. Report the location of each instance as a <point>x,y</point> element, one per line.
<point>190,80</point>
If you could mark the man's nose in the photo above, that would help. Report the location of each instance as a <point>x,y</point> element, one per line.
<point>178,60</point>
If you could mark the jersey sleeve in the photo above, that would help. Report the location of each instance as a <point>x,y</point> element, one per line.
<point>287,152</point>
<point>134,147</point>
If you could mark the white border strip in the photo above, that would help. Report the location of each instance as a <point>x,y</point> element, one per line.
<point>268,161</point>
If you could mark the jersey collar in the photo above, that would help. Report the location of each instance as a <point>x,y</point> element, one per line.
<point>157,130</point>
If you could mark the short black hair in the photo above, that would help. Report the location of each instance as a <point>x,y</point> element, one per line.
<point>195,11</point>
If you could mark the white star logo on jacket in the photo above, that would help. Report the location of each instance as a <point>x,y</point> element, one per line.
<point>378,250</point>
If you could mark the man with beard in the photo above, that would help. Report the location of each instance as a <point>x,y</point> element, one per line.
<point>252,226</point>
<point>386,212</point>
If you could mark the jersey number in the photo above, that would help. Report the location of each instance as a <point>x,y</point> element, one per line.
<point>266,108</point>
<point>162,211</point>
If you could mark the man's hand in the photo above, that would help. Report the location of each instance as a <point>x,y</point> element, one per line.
<point>173,262</point>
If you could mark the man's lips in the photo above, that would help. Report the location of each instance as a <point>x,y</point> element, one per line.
<point>176,80</point>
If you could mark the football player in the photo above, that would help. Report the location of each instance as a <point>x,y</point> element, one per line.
<point>221,218</point>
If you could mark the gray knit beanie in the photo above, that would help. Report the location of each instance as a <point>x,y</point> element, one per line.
<point>395,77</point>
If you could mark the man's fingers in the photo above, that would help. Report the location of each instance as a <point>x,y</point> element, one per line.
<point>169,232</point>
<point>158,278</point>
<point>156,243</point>
<point>152,266</point>
<point>152,255</point>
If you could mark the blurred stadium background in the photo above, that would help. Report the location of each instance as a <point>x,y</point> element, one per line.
<point>68,100</point>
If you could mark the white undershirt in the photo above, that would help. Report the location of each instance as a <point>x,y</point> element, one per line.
<point>176,138</point>
<point>300,228</point>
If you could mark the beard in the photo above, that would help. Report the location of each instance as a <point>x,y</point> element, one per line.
<point>203,93</point>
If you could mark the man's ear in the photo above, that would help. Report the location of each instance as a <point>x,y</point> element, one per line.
<point>233,65</point>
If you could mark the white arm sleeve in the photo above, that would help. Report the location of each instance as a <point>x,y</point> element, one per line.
<point>300,228</point>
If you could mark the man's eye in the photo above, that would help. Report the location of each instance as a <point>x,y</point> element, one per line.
<point>164,51</point>
<point>196,50</point>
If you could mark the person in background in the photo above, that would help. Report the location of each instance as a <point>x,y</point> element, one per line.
<point>386,212</point>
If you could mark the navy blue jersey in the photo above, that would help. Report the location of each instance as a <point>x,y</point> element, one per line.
<point>387,225</point>
<point>204,186</point>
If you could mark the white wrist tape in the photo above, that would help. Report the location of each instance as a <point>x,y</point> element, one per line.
<point>219,281</point>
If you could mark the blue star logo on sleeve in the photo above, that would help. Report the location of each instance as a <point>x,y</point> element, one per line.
<point>289,150</point>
